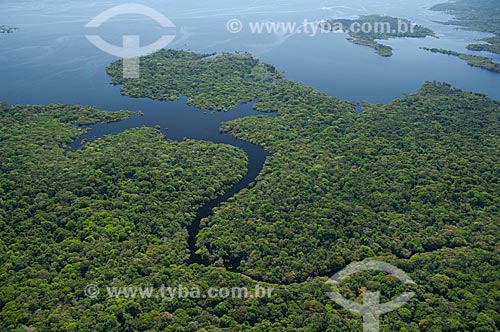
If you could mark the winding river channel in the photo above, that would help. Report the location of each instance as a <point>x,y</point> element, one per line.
<point>178,121</point>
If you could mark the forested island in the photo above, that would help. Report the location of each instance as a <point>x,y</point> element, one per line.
<point>413,183</point>
<point>476,15</point>
<point>382,28</point>
<point>7,29</point>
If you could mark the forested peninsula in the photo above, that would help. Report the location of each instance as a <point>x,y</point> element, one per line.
<point>472,60</point>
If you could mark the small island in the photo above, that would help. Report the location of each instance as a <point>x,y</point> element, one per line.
<point>7,29</point>
<point>381,28</point>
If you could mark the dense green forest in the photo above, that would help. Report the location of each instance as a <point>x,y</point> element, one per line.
<point>383,33</point>
<point>472,60</point>
<point>115,210</point>
<point>214,83</point>
<point>477,15</point>
<point>414,183</point>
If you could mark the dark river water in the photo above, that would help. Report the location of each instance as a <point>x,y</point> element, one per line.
<point>49,60</point>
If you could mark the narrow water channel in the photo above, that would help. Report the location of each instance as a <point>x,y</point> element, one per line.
<point>256,159</point>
